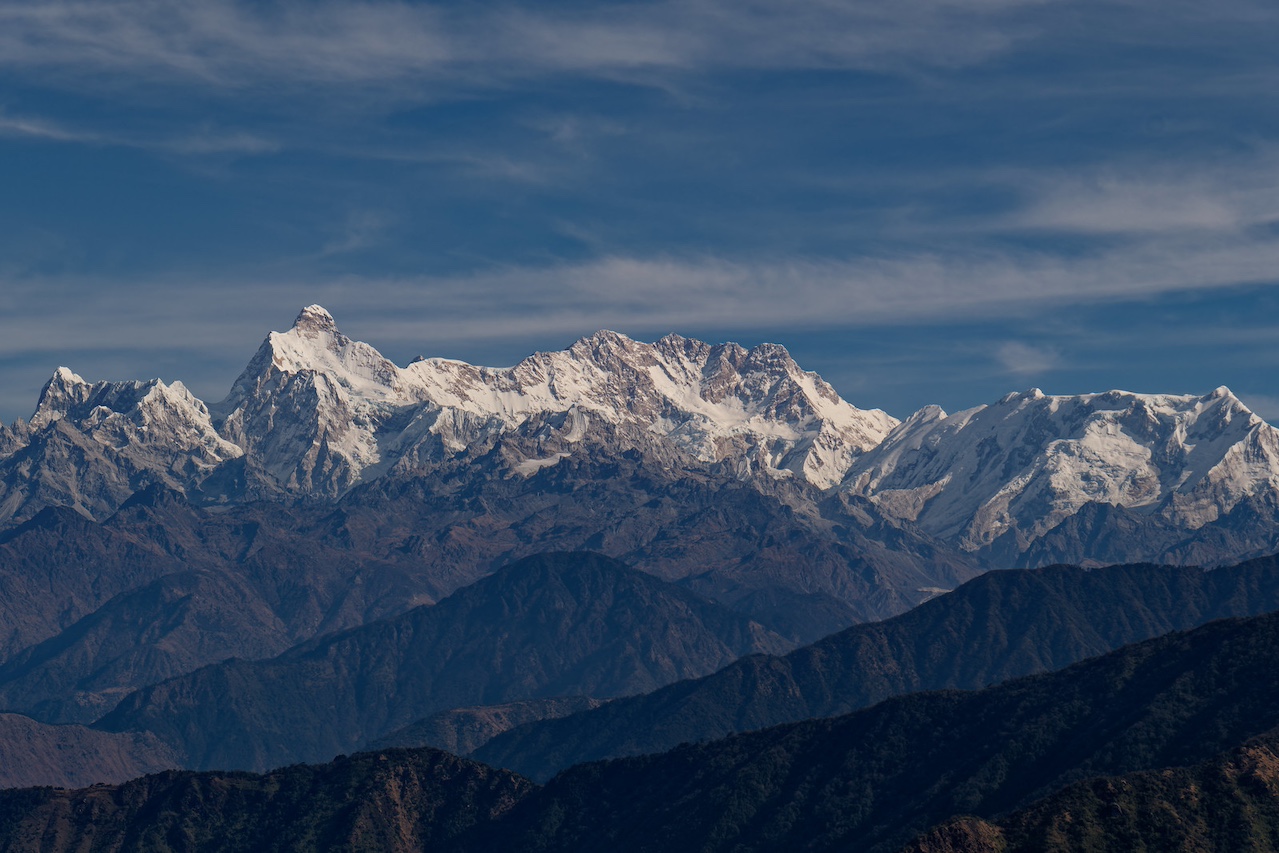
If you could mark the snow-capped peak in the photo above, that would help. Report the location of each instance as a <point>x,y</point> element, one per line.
<point>315,344</point>
<point>1031,460</point>
<point>315,318</point>
<point>67,376</point>
<point>63,390</point>
<point>314,347</point>
<point>316,412</point>
<point>712,402</point>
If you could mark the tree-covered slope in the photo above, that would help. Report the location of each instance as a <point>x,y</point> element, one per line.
<point>1229,803</point>
<point>998,626</point>
<point>873,779</point>
<point>868,781</point>
<point>387,802</point>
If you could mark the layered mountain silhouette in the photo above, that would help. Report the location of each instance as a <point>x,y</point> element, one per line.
<point>996,627</point>
<point>543,627</point>
<point>574,624</point>
<point>347,553</point>
<point>871,780</point>
<point>34,753</point>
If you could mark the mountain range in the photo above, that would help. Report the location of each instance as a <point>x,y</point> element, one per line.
<point>870,780</point>
<point>316,414</point>
<point>730,470</point>
<point>547,626</point>
<point>572,566</point>
<point>999,626</point>
<point>516,666</point>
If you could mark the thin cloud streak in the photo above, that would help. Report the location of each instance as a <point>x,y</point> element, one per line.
<point>643,293</point>
<point>1187,196</point>
<point>245,46</point>
<point>200,141</point>
<point>25,127</point>
<point>228,44</point>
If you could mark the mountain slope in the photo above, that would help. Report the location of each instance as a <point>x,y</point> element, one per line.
<point>315,412</point>
<point>461,730</point>
<point>89,446</point>
<point>90,611</point>
<point>1228,803</point>
<point>872,779</point>
<point>33,753</point>
<point>869,781</point>
<point>271,576</point>
<point>544,627</point>
<point>774,549</point>
<point>166,628</point>
<point>693,459</point>
<point>998,626</point>
<point>58,567</point>
<point>396,802</point>
<point>320,411</point>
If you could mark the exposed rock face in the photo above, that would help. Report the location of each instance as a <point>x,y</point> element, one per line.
<point>320,411</point>
<point>91,446</point>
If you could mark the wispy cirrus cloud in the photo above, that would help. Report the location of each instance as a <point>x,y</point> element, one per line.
<point>225,43</point>
<point>243,45</point>
<point>28,127</point>
<point>1136,200</point>
<point>669,293</point>
<point>362,229</point>
<point>198,140</point>
<point>201,329</point>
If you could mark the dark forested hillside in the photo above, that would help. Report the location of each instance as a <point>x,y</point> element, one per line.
<point>90,611</point>
<point>868,781</point>
<point>461,730</point>
<point>389,802</point>
<point>871,780</point>
<point>998,626</point>
<point>1227,804</point>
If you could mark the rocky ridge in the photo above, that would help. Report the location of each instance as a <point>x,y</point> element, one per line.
<point>316,414</point>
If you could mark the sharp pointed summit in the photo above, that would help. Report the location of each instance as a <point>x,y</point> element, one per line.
<point>316,413</point>
<point>315,318</point>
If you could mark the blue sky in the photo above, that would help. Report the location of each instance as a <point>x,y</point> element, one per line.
<point>926,201</point>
